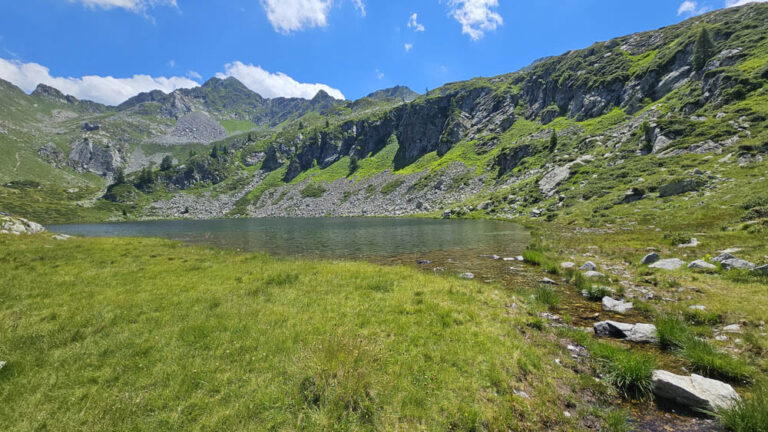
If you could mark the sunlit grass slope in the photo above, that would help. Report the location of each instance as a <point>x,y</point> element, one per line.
<point>116,334</point>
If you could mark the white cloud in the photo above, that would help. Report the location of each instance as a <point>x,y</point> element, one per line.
<point>734,3</point>
<point>408,47</point>
<point>379,74</point>
<point>131,5</point>
<point>194,75</point>
<point>289,16</point>
<point>172,63</point>
<point>476,16</point>
<point>413,23</point>
<point>691,8</point>
<point>107,90</point>
<point>360,6</point>
<point>274,84</point>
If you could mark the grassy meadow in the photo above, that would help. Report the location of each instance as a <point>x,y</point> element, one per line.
<point>143,334</point>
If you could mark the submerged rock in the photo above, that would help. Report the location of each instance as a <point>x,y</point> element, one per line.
<point>617,306</point>
<point>641,333</point>
<point>694,391</point>
<point>668,264</point>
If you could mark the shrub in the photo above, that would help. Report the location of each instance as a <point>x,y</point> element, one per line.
<point>748,415</point>
<point>313,190</point>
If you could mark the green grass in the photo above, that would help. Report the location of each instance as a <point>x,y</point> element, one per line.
<point>617,421</point>
<point>749,415</point>
<point>548,296</point>
<point>313,190</point>
<point>142,334</point>
<point>391,186</point>
<point>235,126</point>
<point>673,333</point>
<point>710,361</point>
<point>628,371</point>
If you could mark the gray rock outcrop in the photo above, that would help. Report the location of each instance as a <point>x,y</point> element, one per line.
<point>668,264</point>
<point>18,226</point>
<point>640,333</point>
<point>617,306</point>
<point>651,258</point>
<point>694,391</point>
<point>701,264</point>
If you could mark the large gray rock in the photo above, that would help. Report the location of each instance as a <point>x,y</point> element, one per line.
<point>589,266</point>
<point>722,257</point>
<point>735,263</point>
<point>641,333</point>
<point>651,258</point>
<point>701,264</point>
<point>694,391</point>
<point>103,160</point>
<point>617,306</point>
<point>548,184</point>
<point>680,187</point>
<point>668,264</point>
<point>11,225</point>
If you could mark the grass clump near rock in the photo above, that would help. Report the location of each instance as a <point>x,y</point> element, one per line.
<point>535,255</point>
<point>617,421</point>
<point>675,334</point>
<point>749,414</point>
<point>630,372</point>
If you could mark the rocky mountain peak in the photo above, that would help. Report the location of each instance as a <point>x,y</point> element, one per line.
<point>397,93</point>
<point>48,92</point>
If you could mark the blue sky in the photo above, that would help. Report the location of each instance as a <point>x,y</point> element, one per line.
<point>109,50</point>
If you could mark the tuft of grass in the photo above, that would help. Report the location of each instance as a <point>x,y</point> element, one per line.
<point>673,332</point>
<point>748,415</point>
<point>710,361</point>
<point>537,258</point>
<point>628,371</point>
<point>617,420</point>
<point>596,293</point>
<point>548,297</point>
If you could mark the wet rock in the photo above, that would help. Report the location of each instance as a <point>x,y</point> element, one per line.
<point>589,266</point>
<point>668,264</point>
<point>701,264</point>
<point>735,263</point>
<point>641,333</point>
<point>617,306</point>
<point>694,391</point>
<point>651,258</point>
<point>467,276</point>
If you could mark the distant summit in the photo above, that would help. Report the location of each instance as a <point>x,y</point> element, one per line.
<point>397,93</point>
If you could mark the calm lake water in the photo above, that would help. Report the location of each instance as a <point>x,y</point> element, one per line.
<point>327,237</point>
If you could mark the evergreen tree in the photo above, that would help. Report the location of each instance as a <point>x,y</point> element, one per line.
<point>354,164</point>
<point>327,123</point>
<point>119,176</point>
<point>215,152</point>
<point>166,163</point>
<point>703,50</point>
<point>553,141</point>
<point>146,178</point>
<point>301,125</point>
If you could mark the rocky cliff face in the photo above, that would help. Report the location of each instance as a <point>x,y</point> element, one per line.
<point>103,160</point>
